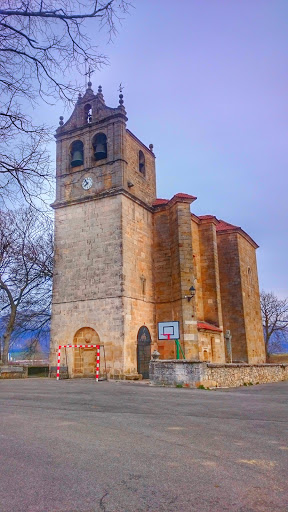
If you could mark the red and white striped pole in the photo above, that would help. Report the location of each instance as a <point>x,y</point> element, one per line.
<point>97,362</point>
<point>58,363</point>
<point>79,346</point>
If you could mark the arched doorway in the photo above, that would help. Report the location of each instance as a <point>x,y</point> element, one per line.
<point>143,351</point>
<point>84,359</point>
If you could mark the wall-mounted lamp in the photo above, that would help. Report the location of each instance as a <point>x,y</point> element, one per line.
<point>192,292</point>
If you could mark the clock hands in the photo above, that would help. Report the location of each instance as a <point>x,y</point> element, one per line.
<point>87,183</point>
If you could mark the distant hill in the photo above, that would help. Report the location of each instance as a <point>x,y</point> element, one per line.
<point>279,346</point>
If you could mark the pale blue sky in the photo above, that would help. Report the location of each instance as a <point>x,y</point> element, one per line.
<point>206,82</point>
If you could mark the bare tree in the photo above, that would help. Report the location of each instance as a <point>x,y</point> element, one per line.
<point>41,41</point>
<point>25,170</point>
<point>26,269</point>
<point>33,349</point>
<point>275,320</point>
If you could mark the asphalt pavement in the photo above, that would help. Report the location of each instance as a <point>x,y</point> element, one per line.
<point>82,446</point>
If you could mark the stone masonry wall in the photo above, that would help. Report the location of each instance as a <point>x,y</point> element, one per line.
<point>88,277</point>
<point>240,297</point>
<point>163,277</point>
<point>13,372</point>
<point>138,290</point>
<point>208,281</point>
<point>88,257</point>
<point>231,293</point>
<point>173,276</point>
<point>251,302</point>
<point>197,269</point>
<point>194,374</point>
<point>144,184</point>
<point>210,346</point>
<point>210,274</point>
<point>184,255</point>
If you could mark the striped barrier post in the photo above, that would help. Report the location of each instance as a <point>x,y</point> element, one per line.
<point>97,363</point>
<point>58,363</point>
<point>79,346</point>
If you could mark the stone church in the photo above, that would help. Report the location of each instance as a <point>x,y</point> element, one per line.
<point>126,260</point>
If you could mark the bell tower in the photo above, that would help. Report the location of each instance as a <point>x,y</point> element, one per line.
<point>95,155</point>
<point>90,149</point>
<point>105,188</point>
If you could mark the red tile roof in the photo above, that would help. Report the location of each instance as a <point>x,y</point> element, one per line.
<point>160,201</point>
<point>222,226</point>
<point>208,327</point>
<point>180,196</point>
<point>185,196</point>
<point>225,226</point>
<point>204,217</point>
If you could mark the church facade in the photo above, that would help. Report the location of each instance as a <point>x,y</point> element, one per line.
<point>126,260</point>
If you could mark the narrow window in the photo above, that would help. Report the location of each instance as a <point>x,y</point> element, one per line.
<point>205,355</point>
<point>100,146</point>
<point>249,275</point>
<point>88,113</point>
<point>249,272</point>
<point>141,162</point>
<point>77,153</point>
<point>143,284</point>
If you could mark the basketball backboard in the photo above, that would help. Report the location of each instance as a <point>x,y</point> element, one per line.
<point>168,330</point>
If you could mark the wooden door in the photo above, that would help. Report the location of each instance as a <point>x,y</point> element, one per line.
<point>143,351</point>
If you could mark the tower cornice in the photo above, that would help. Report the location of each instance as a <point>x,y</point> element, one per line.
<point>61,132</point>
<point>96,197</point>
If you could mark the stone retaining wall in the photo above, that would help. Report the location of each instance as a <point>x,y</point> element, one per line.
<point>13,372</point>
<point>63,372</point>
<point>195,373</point>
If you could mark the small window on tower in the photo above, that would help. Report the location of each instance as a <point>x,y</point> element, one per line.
<point>249,272</point>
<point>250,281</point>
<point>141,162</point>
<point>100,146</point>
<point>88,114</point>
<point>77,153</point>
<point>143,283</point>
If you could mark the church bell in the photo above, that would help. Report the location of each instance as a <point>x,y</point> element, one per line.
<point>100,151</point>
<point>77,158</point>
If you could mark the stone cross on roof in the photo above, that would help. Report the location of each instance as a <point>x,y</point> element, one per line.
<point>89,73</point>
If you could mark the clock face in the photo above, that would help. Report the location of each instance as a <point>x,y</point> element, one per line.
<point>87,183</point>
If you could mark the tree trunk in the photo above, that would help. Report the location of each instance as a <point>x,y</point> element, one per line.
<point>266,336</point>
<point>7,334</point>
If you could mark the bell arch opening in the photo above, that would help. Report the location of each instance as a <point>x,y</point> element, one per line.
<point>88,113</point>
<point>141,162</point>
<point>76,153</point>
<point>100,146</point>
